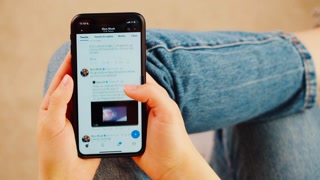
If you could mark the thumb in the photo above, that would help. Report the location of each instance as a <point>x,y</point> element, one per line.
<point>149,93</point>
<point>59,99</point>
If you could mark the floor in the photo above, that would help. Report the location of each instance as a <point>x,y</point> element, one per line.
<point>32,30</point>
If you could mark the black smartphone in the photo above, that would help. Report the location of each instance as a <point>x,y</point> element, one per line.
<point>108,51</point>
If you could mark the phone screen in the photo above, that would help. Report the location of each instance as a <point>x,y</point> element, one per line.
<point>107,53</point>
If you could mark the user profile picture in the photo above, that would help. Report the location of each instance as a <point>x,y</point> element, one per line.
<point>86,138</point>
<point>84,72</point>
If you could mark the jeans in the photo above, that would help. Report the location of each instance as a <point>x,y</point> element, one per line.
<point>258,90</point>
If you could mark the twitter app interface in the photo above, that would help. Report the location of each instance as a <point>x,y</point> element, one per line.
<point>109,121</point>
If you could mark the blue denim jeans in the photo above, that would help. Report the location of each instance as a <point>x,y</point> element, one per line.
<point>255,89</point>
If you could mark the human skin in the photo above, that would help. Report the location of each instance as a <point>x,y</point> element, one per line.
<point>57,151</point>
<point>169,152</point>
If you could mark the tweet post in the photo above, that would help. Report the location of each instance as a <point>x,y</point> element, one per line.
<point>109,121</point>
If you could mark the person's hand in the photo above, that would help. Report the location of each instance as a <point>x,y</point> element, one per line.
<point>169,152</point>
<point>58,158</point>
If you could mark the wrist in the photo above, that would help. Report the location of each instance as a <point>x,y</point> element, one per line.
<point>62,172</point>
<point>193,166</point>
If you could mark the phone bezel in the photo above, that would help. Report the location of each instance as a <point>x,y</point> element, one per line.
<point>74,30</point>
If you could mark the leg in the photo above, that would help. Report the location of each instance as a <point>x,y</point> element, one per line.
<point>287,148</point>
<point>223,78</point>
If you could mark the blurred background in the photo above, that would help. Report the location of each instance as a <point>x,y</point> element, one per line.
<point>32,30</point>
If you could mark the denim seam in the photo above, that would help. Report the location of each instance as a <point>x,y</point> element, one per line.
<point>212,46</point>
<point>308,64</point>
<point>311,91</point>
<point>249,83</point>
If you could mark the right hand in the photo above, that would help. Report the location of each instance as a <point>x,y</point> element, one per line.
<point>169,151</point>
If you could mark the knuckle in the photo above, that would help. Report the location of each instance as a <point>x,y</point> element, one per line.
<point>56,98</point>
<point>157,89</point>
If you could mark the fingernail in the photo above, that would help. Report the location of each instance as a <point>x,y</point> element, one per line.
<point>65,80</point>
<point>130,87</point>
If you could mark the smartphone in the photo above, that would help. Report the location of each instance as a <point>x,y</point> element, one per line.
<point>108,51</point>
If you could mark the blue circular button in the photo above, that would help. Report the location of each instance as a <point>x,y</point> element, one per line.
<point>135,134</point>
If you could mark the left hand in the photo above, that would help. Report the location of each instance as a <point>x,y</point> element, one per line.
<point>58,158</point>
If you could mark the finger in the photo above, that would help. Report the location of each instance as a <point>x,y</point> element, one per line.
<point>58,101</point>
<point>151,94</point>
<point>64,69</point>
<point>150,80</point>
